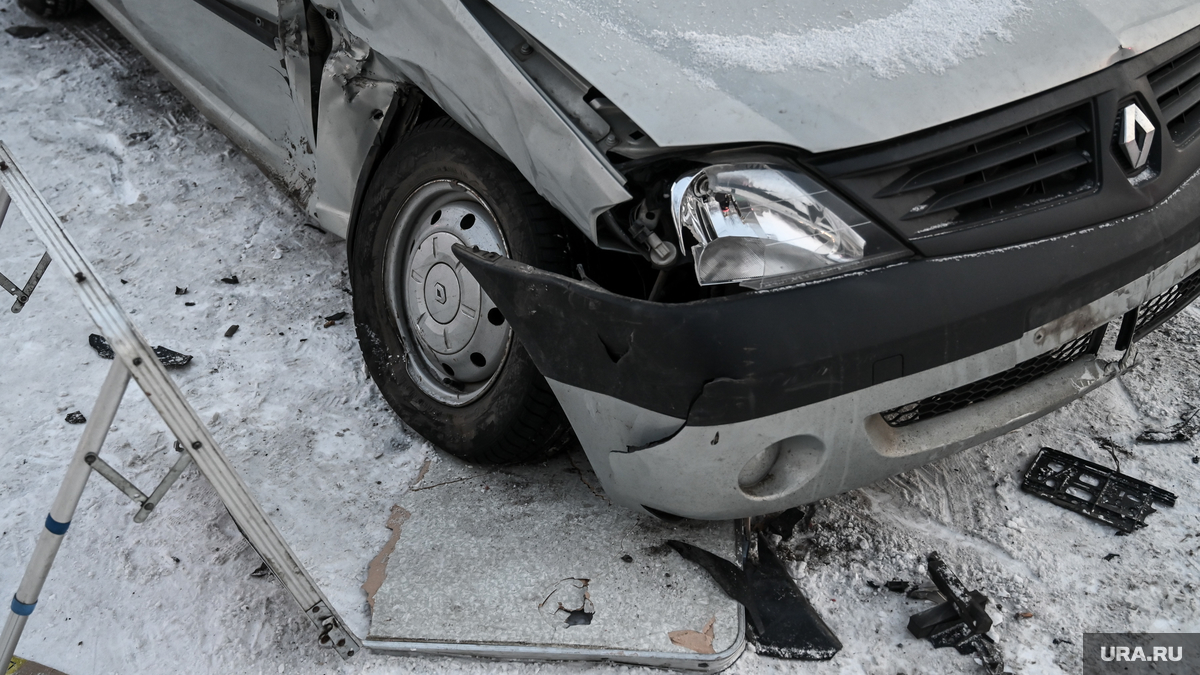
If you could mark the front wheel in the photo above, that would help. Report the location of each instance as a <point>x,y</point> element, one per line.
<point>441,352</point>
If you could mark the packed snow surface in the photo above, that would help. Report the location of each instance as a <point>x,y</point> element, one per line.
<point>158,200</point>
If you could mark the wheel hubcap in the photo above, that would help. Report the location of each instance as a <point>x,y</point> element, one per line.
<point>455,337</point>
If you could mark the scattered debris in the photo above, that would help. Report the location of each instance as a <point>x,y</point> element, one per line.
<point>231,330</point>
<point>783,622</point>
<point>627,558</point>
<point>168,357</point>
<point>1110,556</point>
<point>784,524</point>
<point>960,622</point>
<point>181,291</point>
<point>897,586</point>
<point>1188,427</point>
<point>377,568</point>
<point>189,304</point>
<point>1024,615</point>
<point>26,32</point>
<point>569,603</point>
<point>124,281</point>
<point>231,279</point>
<point>262,570</point>
<point>1196,459</point>
<point>336,317</point>
<point>700,642</point>
<point>1113,448</point>
<point>926,591</point>
<point>1093,490</point>
<point>76,418</point>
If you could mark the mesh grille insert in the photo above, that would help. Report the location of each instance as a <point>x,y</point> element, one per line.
<point>1176,86</point>
<point>1154,312</point>
<point>981,390</point>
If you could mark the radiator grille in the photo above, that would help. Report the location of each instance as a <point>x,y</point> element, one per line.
<point>1039,162</point>
<point>1156,311</point>
<point>1176,86</point>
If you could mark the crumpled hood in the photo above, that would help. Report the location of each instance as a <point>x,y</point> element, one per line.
<point>824,76</point>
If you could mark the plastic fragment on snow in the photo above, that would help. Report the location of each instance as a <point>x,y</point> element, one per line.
<point>231,330</point>
<point>960,622</point>
<point>782,622</point>
<point>76,418</point>
<point>1096,491</point>
<point>26,32</point>
<point>231,279</point>
<point>168,357</point>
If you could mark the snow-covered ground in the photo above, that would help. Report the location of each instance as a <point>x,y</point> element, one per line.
<point>159,199</point>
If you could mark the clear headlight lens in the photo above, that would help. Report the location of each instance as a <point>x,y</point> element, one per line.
<point>767,226</point>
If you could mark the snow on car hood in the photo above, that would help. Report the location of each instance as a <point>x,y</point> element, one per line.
<point>824,76</point>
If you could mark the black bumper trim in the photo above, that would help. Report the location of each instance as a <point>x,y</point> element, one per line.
<point>742,357</point>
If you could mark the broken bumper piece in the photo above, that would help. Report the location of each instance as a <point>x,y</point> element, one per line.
<point>753,403</point>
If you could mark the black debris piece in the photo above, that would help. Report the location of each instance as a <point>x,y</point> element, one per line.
<point>1196,459</point>
<point>180,291</point>
<point>926,591</point>
<point>168,357</point>
<point>1189,426</point>
<point>76,418</point>
<point>579,617</point>
<point>231,279</point>
<point>336,317</point>
<point>261,571</point>
<point>101,346</point>
<point>783,623</point>
<point>189,304</point>
<point>1110,556</point>
<point>26,32</point>
<point>627,558</point>
<point>872,584</point>
<point>960,622</point>
<point>897,586</point>
<point>231,330</point>
<point>784,524</point>
<point>124,281</point>
<point>1093,490</point>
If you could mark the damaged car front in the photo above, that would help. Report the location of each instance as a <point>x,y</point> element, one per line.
<point>857,257</point>
<point>753,256</point>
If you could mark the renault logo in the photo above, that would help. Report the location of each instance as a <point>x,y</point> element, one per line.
<point>1133,119</point>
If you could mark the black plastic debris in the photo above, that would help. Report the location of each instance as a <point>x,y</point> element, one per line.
<point>784,524</point>
<point>181,291</point>
<point>1110,556</point>
<point>101,346</point>
<point>960,622</point>
<point>783,623</point>
<point>168,357</point>
<point>231,279</point>
<point>336,317</point>
<point>1095,491</point>
<point>26,32</point>
<point>897,586</point>
<point>261,571</point>
<point>76,418</point>
<point>231,330</point>
<point>1189,426</point>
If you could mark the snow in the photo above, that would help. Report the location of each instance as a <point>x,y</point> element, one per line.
<point>156,197</point>
<point>928,35</point>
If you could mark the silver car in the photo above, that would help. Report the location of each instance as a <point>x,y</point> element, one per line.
<point>750,255</point>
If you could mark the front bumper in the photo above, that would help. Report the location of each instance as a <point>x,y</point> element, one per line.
<point>671,402</point>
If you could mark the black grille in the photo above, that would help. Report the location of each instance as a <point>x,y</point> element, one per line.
<point>1176,85</point>
<point>1031,165</point>
<point>981,390</point>
<point>1155,312</point>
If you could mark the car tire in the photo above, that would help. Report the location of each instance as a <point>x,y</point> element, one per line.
<point>53,9</point>
<point>454,373</point>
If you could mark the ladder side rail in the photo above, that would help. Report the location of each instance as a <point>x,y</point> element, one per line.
<point>131,347</point>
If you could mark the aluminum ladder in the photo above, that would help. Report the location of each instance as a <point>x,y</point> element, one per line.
<point>134,358</point>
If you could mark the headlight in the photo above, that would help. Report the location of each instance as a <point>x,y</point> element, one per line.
<point>768,226</point>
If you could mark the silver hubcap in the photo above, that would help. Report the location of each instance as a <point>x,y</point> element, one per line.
<point>456,338</point>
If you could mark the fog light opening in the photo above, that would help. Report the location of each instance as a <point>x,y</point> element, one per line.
<point>782,467</point>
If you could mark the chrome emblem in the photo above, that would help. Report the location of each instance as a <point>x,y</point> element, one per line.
<point>1132,119</point>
